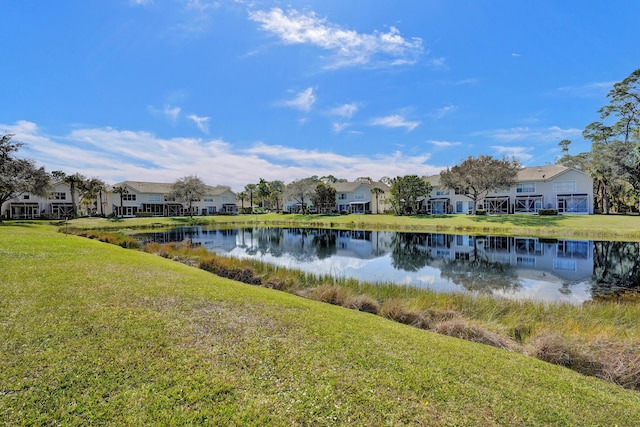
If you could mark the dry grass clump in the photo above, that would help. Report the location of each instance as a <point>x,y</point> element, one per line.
<point>460,328</point>
<point>396,309</point>
<point>336,295</point>
<point>553,348</point>
<point>363,303</point>
<point>620,363</point>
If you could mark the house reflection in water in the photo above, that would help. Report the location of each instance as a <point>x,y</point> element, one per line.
<point>516,267</point>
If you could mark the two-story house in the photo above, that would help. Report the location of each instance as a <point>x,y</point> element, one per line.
<point>128,198</point>
<point>541,187</point>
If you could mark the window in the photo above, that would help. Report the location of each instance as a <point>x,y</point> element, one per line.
<point>564,186</point>
<point>460,191</point>
<point>129,197</point>
<point>359,196</point>
<point>342,196</point>
<point>210,199</point>
<point>225,200</point>
<point>526,187</point>
<point>26,196</point>
<point>59,196</point>
<point>155,198</point>
<point>442,191</point>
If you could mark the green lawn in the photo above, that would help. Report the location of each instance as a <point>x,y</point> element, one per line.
<point>95,334</point>
<point>618,227</point>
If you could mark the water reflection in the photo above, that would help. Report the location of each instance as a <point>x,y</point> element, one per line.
<point>514,267</point>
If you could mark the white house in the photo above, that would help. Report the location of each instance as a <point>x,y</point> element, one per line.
<point>154,198</point>
<point>541,187</point>
<point>57,204</point>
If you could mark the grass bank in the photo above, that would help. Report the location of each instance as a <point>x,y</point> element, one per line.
<point>95,334</point>
<point>613,227</point>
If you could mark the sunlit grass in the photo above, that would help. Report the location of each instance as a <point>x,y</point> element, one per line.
<point>92,333</point>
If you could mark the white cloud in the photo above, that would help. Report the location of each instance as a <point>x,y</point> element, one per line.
<point>201,122</point>
<point>118,155</point>
<point>339,127</point>
<point>349,47</point>
<point>443,111</point>
<point>395,121</point>
<point>444,144</point>
<point>550,134</point>
<point>346,110</point>
<point>140,2</point>
<point>302,101</point>
<point>519,153</point>
<point>589,90</point>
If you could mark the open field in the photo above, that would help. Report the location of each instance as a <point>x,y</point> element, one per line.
<point>613,227</point>
<point>95,334</point>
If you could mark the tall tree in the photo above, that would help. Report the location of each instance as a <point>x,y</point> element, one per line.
<point>277,191</point>
<point>188,190</point>
<point>615,141</point>
<point>92,190</point>
<point>377,192</point>
<point>242,196</point>
<point>324,198</point>
<point>301,191</point>
<point>406,191</point>
<point>264,191</point>
<point>121,190</point>
<point>251,189</point>
<point>19,176</point>
<point>475,177</point>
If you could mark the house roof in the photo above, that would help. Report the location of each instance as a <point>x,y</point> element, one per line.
<point>535,173</point>
<point>345,187</point>
<point>540,173</point>
<point>165,188</point>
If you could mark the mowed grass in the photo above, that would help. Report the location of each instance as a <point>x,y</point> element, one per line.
<point>91,333</point>
<point>615,227</point>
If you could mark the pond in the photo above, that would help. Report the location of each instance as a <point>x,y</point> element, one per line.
<point>569,271</point>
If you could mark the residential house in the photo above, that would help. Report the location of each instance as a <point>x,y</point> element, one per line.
<point>155,198</point>
<point>541,187</point>
<point>361,196</point>
<point>57,204</point>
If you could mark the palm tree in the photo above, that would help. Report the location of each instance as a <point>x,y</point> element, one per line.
<point>75,181</point>
<point>241,195</point>
<point>121,190</point>
<point>251,188</point>
<point>377,191</point>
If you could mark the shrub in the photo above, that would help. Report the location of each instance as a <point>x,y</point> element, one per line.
<point>481,212</point>
<point>140,214</point>
<point>548,212</point>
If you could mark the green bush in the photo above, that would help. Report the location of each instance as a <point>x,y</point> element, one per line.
<point>548,212</point>
<point>140,214</point>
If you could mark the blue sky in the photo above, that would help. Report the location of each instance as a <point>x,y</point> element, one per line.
<point>234,91</point>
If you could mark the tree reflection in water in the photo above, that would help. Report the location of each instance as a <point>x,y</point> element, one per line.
<point>408,251</point>
<point>478,273</point>
<point>616,268</point>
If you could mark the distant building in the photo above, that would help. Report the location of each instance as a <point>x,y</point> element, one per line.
<point>57,204</point>
<point>155,199</point>
<point>542,187</point>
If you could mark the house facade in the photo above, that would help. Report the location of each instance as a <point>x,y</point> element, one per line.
<point>57,205</point>
<point>542,187</point>
<point>357,197</point>
<point>132,198</point>
<point>361,196</point>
